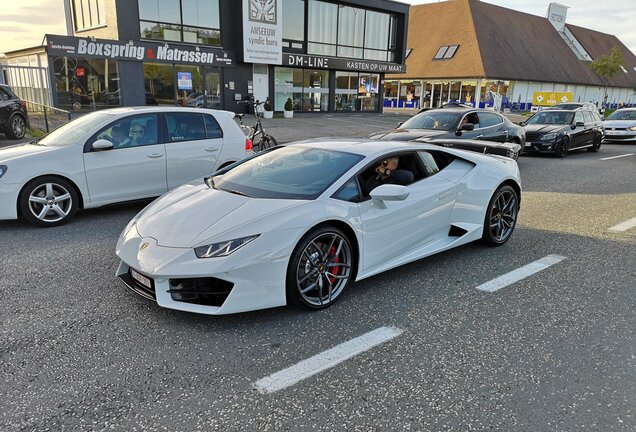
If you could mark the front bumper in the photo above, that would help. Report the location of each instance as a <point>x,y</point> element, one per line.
<point>9,200</point>
<point>541,146</point>
<point>256,273</point>
<point>619,135</point>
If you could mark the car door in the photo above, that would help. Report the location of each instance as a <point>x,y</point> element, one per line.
<point>5,107</point>
<point>193,144</point>
<point>590,127</point>
<point>134,168</point>
<point>492,127</point>
<point>579,134</point>
<point>406,225</point>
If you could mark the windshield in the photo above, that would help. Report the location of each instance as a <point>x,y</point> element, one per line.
<point>73,131</point>
<point>551,117</point>
<point>439,120</point>
<point>622,115</point>
<point>287,173</point>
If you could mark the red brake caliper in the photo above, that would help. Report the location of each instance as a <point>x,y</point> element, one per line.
<point>334,270</point>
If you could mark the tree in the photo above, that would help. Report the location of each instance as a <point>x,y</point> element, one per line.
<point>607,67</point>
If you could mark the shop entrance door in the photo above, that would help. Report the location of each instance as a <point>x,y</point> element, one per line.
<point>261,82</point>
<point>440,94</point>
<point>213,86</point>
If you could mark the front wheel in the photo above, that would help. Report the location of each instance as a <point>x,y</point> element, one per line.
<point>266,142</point>
<point>501,216</point>
<point>320,268</point>
<point>48,201</point>
<point>597,144</point>
<point>563,147</point>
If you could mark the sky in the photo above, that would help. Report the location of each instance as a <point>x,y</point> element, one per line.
<point>24,23</point>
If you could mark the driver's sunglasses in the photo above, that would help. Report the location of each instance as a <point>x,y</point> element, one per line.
<point>136,131</point>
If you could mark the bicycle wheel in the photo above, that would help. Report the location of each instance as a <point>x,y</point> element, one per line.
<point>266,142</point>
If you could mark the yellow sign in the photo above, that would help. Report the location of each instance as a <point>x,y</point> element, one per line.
<point>551,98</point>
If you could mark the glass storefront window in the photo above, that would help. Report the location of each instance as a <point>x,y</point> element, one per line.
<point>351,26</point>
<point>294,19</point>
<point>86,83</point>
<point>468,92</point>
<point>368,91</point>
<point>323,18</point>
<point>346,91</point>
<point>455,88</point>
<point>308,89</point>
<point>160,82</point>
<point>191,21</point>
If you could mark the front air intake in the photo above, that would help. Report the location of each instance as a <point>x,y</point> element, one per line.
<point>203,291</point>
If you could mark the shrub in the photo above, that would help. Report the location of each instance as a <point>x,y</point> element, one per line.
<point>289,105</point>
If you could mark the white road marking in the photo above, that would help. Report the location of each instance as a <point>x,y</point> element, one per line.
<point>521,273</point>
<point>624,226</point>
<point>325,360</point>
<point>616,157</point>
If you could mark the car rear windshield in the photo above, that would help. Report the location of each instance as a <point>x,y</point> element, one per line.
<point>287,173</point>
<point>439,120</point>
<point>551,117</point>
<point>622,115</point>
<point>74,131</point>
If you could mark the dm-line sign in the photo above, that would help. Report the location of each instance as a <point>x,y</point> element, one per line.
<point>323,62</point>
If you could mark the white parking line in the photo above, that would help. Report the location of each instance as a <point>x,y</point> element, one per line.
<point>624,226</point>
<point>616,157</point>
<point>325,360</point>
<point>521,273</point>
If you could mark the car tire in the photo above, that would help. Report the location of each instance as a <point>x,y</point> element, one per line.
<point>596,146</point>
<point>17,127</point>
<point>266,142</point>
<point>501,216</point>
<point>320,268</point>
<point>48,201</point>
<point>563,147</point>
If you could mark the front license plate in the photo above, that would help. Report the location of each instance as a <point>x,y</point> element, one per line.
<point>140,278</point>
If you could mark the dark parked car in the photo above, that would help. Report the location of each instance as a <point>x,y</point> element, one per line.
<point>13,113</point>
<point>574,105</point>
<point>561,131</point>
<point>481,130</point>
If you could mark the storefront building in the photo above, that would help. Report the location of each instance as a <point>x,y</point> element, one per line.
<point>499,56</point>
<point>326,56</point>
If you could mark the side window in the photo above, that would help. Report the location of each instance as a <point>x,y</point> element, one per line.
<point>3,95</point>
<point>578,117</point>
<point>185,127</point>
<point>489,119</point>
<point>212,128</point>
<point>588,117</point>
<point>349,192</point>
<point>430,165</point>
<point>134,131</point>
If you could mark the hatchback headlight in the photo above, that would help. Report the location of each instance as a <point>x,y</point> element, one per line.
<point>548,137</point>
<point>633,129</point>
<point>222,249</point>
<point>3,170</point>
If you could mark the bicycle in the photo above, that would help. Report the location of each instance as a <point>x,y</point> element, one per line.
<point>253,132</point>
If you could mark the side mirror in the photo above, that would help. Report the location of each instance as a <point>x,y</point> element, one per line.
<point>102,144</point>
<point>522,123</point>
<point>400,124</point>
<point>580,124</point>
<point>388,192</point>
<point>467,127</point>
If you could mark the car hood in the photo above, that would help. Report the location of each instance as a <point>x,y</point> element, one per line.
<point>22,150</point>
<point>407,134</point>
<point>194,214</point>
<point>619,123</point>
<point>545,128</point>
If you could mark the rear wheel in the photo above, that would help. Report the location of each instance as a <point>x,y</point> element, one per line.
<point>266,142</point>
<point>597,144</point>
<point>320,268</point>
<point>17,127</point>
<point>563,147</point>
<point>48,201</point>
<point>501,216</point>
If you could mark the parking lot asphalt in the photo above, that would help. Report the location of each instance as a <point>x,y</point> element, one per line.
<point>552,352</point>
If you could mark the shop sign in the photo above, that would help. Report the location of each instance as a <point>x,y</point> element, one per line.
<point>262,31</point>
<point>322,62</point>
<point>551,98</point>
<point>160,52</point>
<point>184,80</point>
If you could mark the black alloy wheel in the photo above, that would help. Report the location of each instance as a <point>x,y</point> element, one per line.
<point>17,127</point>
<point>266,142</point>
<point>320,268</point>
<point>501,216</point>
<point>563,147</point>
<point>596,146</point>
<point>48,201</point>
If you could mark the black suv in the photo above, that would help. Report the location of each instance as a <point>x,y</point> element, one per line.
<point>13,114</point>
<point>560,131</point>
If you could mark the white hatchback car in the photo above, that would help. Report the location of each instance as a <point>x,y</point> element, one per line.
<point>112,156</point>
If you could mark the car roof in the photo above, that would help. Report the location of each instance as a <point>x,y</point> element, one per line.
<point>168,108</point>
<point>363,146</point>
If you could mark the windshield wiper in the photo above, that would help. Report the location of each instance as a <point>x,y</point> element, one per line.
<point>236,192</point>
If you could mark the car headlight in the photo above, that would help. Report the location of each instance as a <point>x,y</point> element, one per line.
<point>222,249</point>
<point>633,129</point>
<point>3,170</point>
<point>548,137</point>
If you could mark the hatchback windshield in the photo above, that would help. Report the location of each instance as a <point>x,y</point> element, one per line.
<point>287,173</point>
<point>73,131</point>
<point>551,117</point>
<point>440,120</point>
<point>622,115</point>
